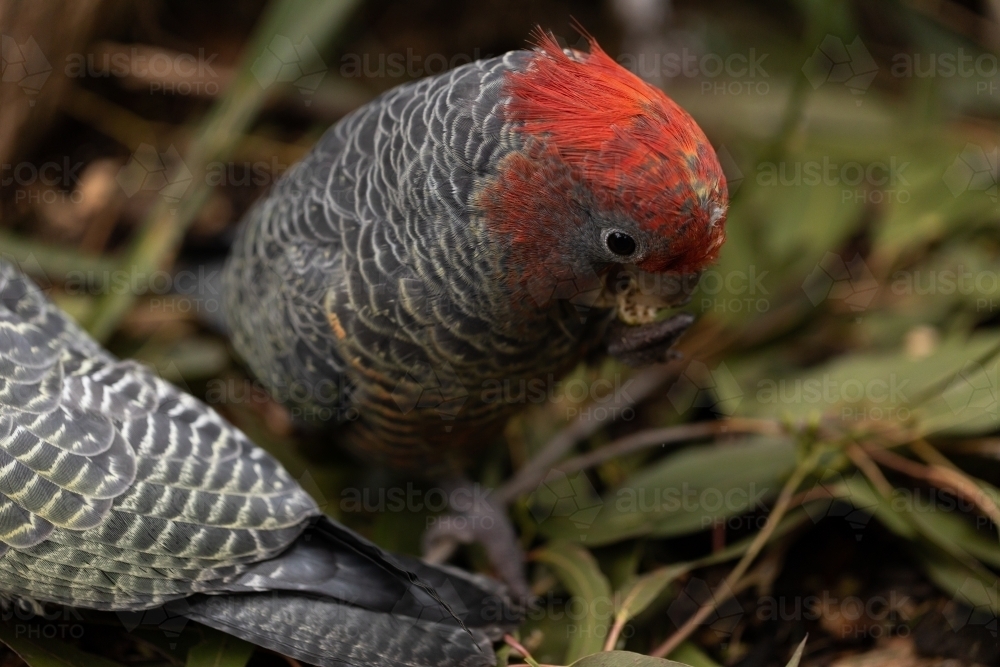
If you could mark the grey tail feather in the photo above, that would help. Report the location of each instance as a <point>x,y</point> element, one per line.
<point>329,633</point>
<point>336,599</point>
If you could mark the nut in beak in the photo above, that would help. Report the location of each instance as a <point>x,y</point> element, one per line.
<point>638,296</point>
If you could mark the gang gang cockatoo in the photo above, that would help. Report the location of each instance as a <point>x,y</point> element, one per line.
<point>494,224</point>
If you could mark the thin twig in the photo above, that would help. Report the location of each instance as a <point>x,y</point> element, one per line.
<point>709,339</point>
<point>815,493</point>
<point>944,478</point>
<point>530,476</point>
<point>930,454</point>
<point>870,469</point>
<point>124,126</point>
<point>732,581</point>
<point>516,645</point>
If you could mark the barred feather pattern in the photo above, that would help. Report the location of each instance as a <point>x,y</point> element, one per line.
<point>117,490</point>
<point>367,287</point>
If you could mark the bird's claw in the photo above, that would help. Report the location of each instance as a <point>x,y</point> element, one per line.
<point>486,523</point>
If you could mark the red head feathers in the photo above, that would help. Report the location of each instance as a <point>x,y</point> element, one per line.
<point>633,148</point>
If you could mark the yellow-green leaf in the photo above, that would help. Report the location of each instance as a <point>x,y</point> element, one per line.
<point>579,573</point>
<point>797,657</point>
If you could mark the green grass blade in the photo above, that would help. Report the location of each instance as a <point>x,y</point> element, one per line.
<point>215,139</point>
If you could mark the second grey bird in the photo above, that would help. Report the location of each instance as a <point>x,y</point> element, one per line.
<point>120,492</point>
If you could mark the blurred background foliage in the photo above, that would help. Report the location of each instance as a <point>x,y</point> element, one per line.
<point>833,421</point>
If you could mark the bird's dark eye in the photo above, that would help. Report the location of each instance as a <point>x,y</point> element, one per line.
<point>620,243</point>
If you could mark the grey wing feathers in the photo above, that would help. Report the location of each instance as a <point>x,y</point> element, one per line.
<point>117,490</point>
<point>275,284</point>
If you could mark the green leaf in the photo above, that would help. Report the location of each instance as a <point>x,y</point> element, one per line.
<point>946,530</point>
<point>219,650</point>
<point>952,529</point>
<point>578,571</point>
<point>797,657</point>
<point>968,403</point>
<point>625,659</point>
<point>952,391</point>
<point>972,588</point>
<point>685,492</point>
<point>503,656</point>
<point>38,652</point>
<point>859,492</point>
